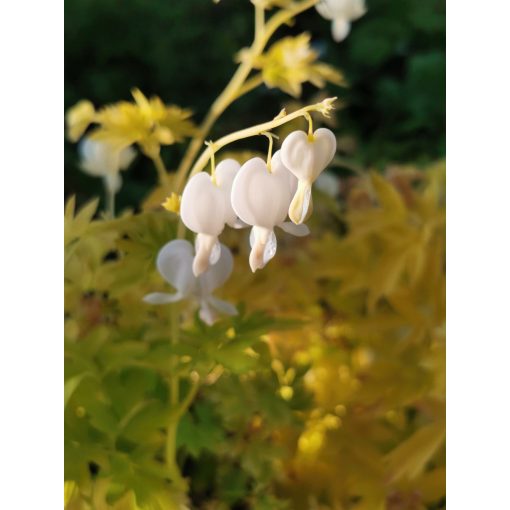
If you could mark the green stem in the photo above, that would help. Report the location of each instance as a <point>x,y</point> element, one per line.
<point>171,431</point>
<point>161,169</point>
<point>110,203</point>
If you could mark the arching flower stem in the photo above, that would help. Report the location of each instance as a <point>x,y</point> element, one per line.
<point>236,83</point>
<point>323,107</point>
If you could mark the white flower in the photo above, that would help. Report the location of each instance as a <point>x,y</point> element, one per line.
<point>100,159</point>
<point>206,208</point>
<point>306,157</point>
<point>261,198</point>
<point>341,13</point>
<point>174,263</point>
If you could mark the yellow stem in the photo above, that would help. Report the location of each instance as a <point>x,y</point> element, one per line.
<point>161,169</point>
<point>231,91</point>
<point>270,137</point>
<point>250,84</point>
<point>324,107</point>
<point>259,20</point>
<point>213,163</point>
<point>308,117</point>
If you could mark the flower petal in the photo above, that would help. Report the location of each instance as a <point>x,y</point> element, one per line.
<point>113,182</point>
<point>307,158</point>
<point>263,247</point>
<point>223,307</point>
<point>296,230</point>
<point>340,29</point>
<point>259,197</point>
<point>300,203</point>
<point>174,262</point>
<point>126,157</point>
<point>206,313</point>
<point>162,298</point>
<point>225,174</point>
<point>203,206</point>
<point>207,253</point>
<point>217,274</point>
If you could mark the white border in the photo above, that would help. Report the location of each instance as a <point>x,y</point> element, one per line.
<point>31,169</point>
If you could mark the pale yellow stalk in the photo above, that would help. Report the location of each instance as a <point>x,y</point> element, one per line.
<point>323,107</point>
<point>264,31</point>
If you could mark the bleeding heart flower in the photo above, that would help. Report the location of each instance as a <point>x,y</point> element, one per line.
<point>174,263</point>
<point>261,198</point>
<point>206,208</point>
<point>306,157</point>
<point>100,159</point>
<point>341,13</point>
<point>225,175</point>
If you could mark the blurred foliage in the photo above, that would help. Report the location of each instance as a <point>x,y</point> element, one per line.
<point>394,61</point>
<point>342,410</point>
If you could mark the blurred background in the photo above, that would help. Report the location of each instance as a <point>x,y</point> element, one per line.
<point>183,51</point>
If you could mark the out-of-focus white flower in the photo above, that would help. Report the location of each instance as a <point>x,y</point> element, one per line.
<point>174,263</point>
<point>329,184</point>
<point>100,159</point>
<point>261,198</point>
<point>306,156</point>
<point>206,208</point>
<point>341,13</point>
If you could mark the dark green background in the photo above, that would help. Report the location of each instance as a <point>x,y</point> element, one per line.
<point>182,50</point>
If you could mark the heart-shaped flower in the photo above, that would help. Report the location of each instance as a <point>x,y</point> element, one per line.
<point>206,208</point>
<point>101,159</point>
<point>306,156</point>
<point>225,175</point>
<point>174,263</point>
<point>261,198</point>
<point>341,13</point>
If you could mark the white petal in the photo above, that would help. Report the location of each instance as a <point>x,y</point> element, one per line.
<point>207,253</point>
<point>340,29</point>
<point>300,203</point>
<point>206,313</point>
<point>225,174</point>
<point>263,247</point>
<point>293,182</point>
<point>162,298</point>
<point>126,157</point>
<point>239,224</point>
<point>223,307</point>
<point>347,9</point>
<point>328,183</point>
<point>203,205</point>
<point>296,230</point>
<point>217,274</point>
<point>174,262</point>
<point>259,197</point>
<point>96,158</point>
<point>305,158</point>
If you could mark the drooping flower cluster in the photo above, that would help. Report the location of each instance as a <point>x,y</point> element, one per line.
<point>258,194</point>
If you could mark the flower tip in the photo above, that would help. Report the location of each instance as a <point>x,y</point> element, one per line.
<point>200,265</point>
<point>327,105</point>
